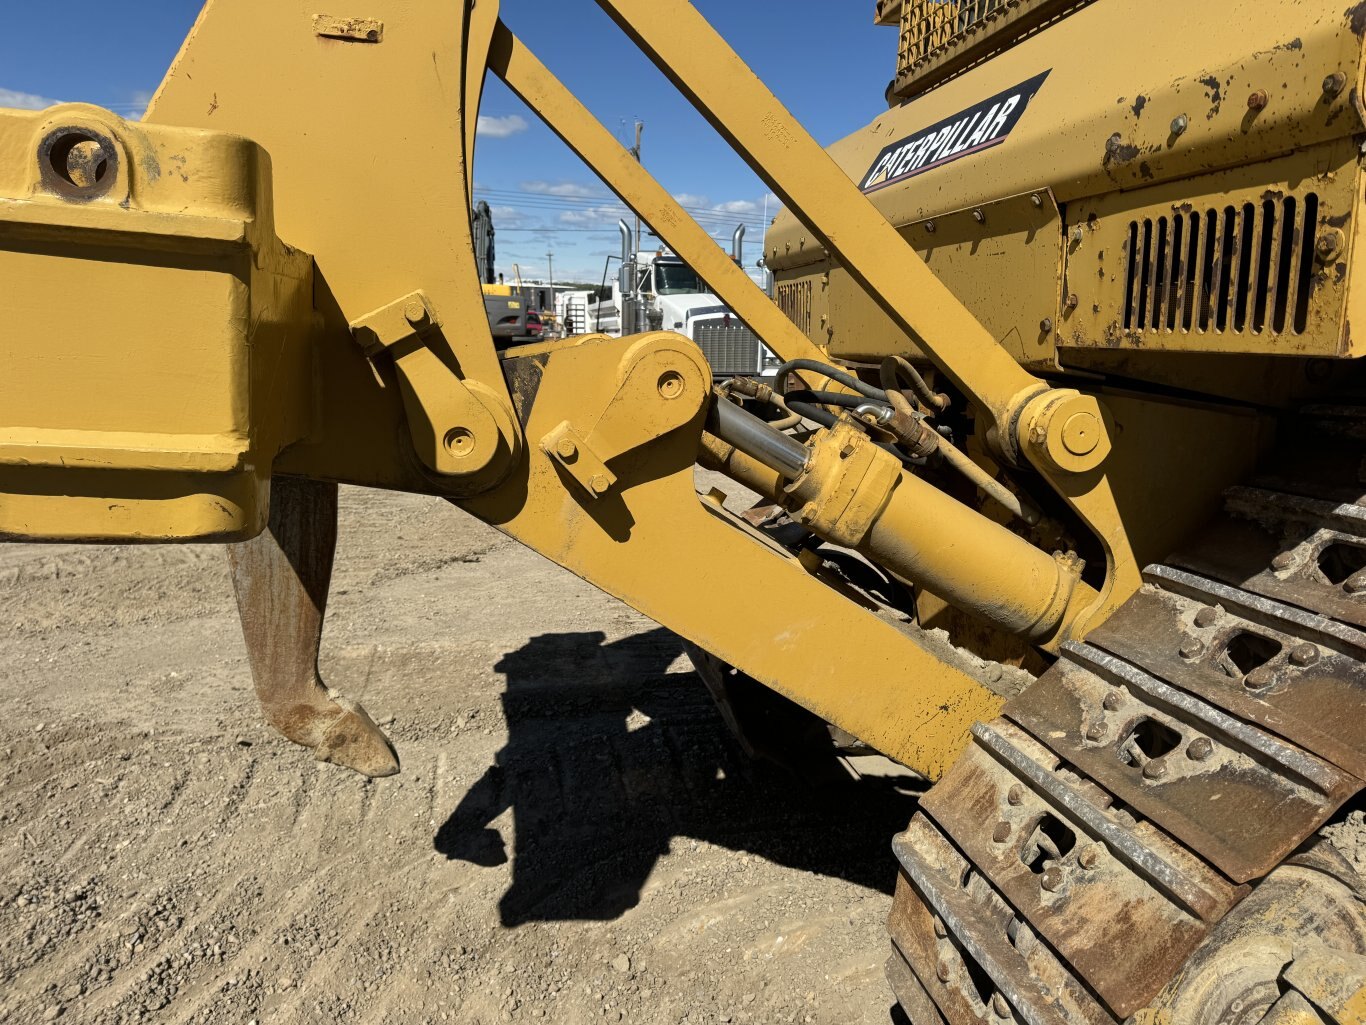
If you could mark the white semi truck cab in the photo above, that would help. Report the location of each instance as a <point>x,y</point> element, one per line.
<point>657,291</point>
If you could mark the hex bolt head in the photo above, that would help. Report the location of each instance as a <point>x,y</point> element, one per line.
<point>1016,795</point>
<point>940,929</point>
<point>414,312</point>
<point>1283,561</point>
<point>1200,749</point>
<point>980,216</point>
<point>1112,701</point>
<point>1207,616</point>
<point>1259,678</point>
<point>566,448</point>
<point>1089,857</point>
<point>1052,879</point>
<point>1192,647</point>
<point>599,484</point>
<point>1046,325</point>
<point>1036,199</point>
<point>1000,1005</point>
<point>1098,732</point>
<point>1179,124</point>
<point>942,970</point>
<point>1002,832</point>
<point>1355,584</point>
<point>1073,301</point>
<point>1155,769</point>
<point>931,227</point>
<point>1258,100</point>
<point>1304,655</point>
<point>1334,84</point>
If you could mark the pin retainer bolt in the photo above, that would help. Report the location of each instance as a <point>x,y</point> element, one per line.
<point>1200,749</point>
<point>1304,655</point>
<point>1155,769</point>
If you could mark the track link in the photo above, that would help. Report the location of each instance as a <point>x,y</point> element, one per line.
<point>1134,838</point>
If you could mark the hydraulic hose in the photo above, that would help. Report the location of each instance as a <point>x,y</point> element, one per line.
<point>833,373</point>
<point>893,366</point>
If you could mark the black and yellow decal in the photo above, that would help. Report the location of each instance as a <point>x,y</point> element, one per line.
<point>980,127</point>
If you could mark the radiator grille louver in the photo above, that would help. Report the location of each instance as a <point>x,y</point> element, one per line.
<point>1239,269</point>
<point>730,349</point>
<point>794,299</point>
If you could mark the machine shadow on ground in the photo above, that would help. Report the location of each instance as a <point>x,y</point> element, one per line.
<point>610,759</point>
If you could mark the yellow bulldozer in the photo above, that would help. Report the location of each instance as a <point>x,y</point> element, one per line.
<point>1069,371</point>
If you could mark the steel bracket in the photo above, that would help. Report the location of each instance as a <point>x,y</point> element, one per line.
<point>663,379</point>
<point>459,429</point>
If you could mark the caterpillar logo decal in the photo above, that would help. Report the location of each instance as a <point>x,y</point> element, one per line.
<point>980,127</point>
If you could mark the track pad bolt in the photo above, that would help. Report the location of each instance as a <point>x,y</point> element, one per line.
<point>1053,879</point>
<point>1112,701</point>
<point>1200,749</point>
<point>1192,647</point>
<point>1206,616</point>
<point>1304,655</point>
<point>1283,561</point>
<point>1259,679</point>
<point>1098,732</point>
<point>1089,857</point>
<point>1002,833</point>
<point>940,929</point>
<point>1156,769</point>
<point>942,971</point>
<point>1016,795</point>
<point>1000,1005</point>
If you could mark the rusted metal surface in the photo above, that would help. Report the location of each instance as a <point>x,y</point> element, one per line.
<point>953,928</point>
<point>1294,550</point>
<point>281,579</point>
<point>1211,780</point>
<point>910,994</point>
<point>1122,902</point>
<point>1310,688</point>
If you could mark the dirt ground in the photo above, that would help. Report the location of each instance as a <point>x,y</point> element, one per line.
<point>574,836</point>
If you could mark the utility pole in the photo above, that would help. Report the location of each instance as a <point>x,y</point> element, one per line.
<point>635,152</point>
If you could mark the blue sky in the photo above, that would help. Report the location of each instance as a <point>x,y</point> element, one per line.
<point>824,58</point>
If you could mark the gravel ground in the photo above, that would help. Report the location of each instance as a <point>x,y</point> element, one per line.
<point>573,837</point>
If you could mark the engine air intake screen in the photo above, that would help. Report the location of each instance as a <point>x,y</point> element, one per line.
<point>943,38</point>
<point>1237,269</point>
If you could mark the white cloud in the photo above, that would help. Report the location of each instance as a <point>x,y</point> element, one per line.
<point>501,127</point>
<point>688,199</point>
<point>24,101</point>
<point>564,189</point>
<point>738,206</point>
<point>594,215</point>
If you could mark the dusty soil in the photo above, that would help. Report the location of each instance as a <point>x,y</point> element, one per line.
<point>573,837</point>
